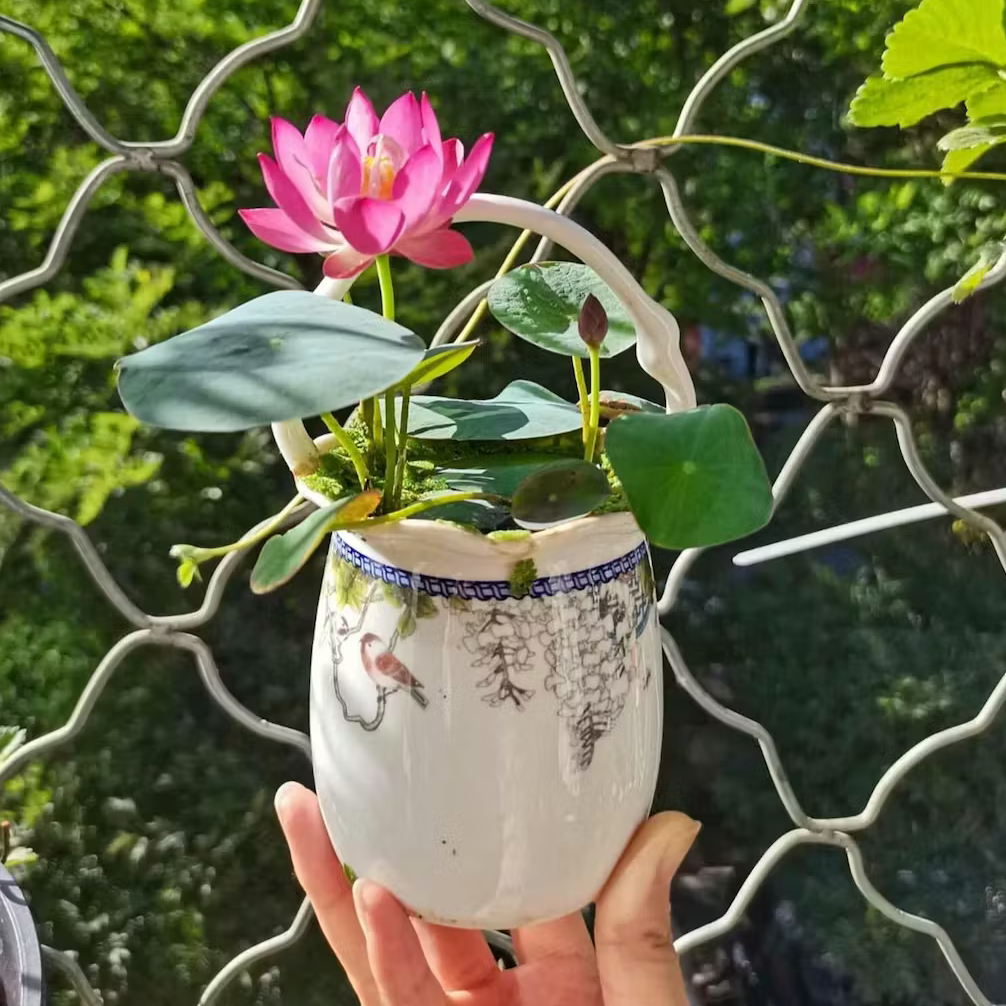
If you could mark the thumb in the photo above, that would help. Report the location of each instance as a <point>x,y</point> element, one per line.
<point>632,931</point>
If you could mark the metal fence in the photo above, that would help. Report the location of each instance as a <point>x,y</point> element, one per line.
<point>863,400</point>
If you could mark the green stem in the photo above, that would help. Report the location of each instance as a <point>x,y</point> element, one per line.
<point>345,441</point>
<point>367,407</point>
<point>700,139</point>
<point>390,447</point>
<point>581,390</point>
<point>383,264</point>
<point>387,289</point>
<point>403,437</point>
<point>413,508</point>
<point>347,299</point>
<point>378,424</point>
<point>594,421</point>
<point>253,537</point>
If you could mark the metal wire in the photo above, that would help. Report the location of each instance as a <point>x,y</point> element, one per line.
<point>175,631</point>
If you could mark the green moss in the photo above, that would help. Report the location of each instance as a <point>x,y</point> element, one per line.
<point>337,476</point>
<point>515,534</point>
<point>523,574</point>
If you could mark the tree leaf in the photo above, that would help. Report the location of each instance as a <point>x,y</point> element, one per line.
<point>541,303</point>
<point>972,279</point>
<point>881,102</point>
<point>283,555</point>
<point>961,160</point>
<point>439,360</point>
<point>735,7</point>
<point>692,478</point>
<point>991,101</point>
<point>946,33</point>
<point>560,491</point>
<point>523,410</point>
<point>978,134</point>
<point>286,355</point>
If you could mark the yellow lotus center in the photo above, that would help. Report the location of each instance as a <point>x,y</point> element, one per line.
<point>381,163</point>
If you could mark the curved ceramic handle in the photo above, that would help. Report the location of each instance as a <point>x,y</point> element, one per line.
<point>657,335</point>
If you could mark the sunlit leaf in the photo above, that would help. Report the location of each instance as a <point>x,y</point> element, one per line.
<point>438,361</point>
<point>523,410</point>
<point>977,134</point>
<point>972,279</point>
<point>946,33</point>
<point>283,555</point>
<point>287,355</point>
<point>560,491</point>
<point>882,102</point>
<point>541,303</point>
<point>692,478</point>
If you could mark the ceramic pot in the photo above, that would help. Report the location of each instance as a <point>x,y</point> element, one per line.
<point>21,981</point>
<point>484,747</point>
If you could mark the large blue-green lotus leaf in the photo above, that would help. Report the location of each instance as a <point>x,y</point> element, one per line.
<point>287,355</point>
<point>523,410</point>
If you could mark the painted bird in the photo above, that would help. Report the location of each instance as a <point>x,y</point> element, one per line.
<point>387,671</point>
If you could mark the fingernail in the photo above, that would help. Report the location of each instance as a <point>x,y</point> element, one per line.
<point>680,839</point>
<point>361,899</point>
<point>282,799</point>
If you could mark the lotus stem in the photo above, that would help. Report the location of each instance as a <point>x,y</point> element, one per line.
<point>594,422</point>
<point>581,390</point>
<point>199,555</point>
<point>403,437</point>
<point>345,441</point>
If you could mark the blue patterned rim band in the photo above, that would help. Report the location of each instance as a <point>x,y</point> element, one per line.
<point>491,590</point>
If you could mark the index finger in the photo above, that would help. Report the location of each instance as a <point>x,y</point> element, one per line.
<point>321,875</point>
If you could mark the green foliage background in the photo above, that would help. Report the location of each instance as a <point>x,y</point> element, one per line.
<point>159,855</point>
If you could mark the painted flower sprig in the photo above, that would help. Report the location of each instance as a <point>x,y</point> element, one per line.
<point>360,193</point>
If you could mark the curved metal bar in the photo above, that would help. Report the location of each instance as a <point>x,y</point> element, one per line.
<point>65,229</point>
<point>75,104</point>
<point>914,922</point>
<point>689,683</point>
<point>63,962</point>
<point>93,563</point>
<point>54,739</point>
<point>780,489</point>
<point>919,472</point>
<point>889,781</point>
<point>453,322</point>
<point>743,898</point>
<point>233,61</point>
<point>257,953</point>
<point>567,79</point>
<point>902,342</point>
<point>748,47</point>
<point>773,306</point>
<point>587,179</point>
<point>190,200</point>
<point>209,673</point>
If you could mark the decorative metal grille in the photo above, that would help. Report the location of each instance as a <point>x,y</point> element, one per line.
<point>865,400</point>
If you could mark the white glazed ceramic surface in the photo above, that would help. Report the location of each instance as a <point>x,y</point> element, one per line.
<point>487,757</point>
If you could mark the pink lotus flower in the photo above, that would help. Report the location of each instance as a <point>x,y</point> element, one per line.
<point>363,188</point>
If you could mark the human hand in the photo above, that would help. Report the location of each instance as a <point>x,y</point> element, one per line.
<point>394,960</point>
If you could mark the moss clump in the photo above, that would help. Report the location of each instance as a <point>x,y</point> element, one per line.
<point>509,534</point>
<point>337,476</point>
<point>523,574</point>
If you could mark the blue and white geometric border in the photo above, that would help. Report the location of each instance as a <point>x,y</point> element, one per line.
<point>490,590</point>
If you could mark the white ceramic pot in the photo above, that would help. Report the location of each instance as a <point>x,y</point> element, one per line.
<point>487,757</point>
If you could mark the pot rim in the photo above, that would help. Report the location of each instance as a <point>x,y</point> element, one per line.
<point>413,535</point>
